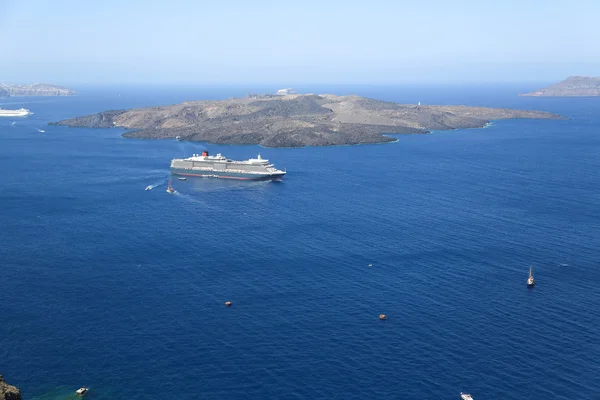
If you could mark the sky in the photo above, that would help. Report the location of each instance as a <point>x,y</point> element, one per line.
<point>297,42</point>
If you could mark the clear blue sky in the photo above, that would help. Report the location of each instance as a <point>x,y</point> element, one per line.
<point>285,41</point>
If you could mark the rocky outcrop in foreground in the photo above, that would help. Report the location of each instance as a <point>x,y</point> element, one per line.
<point>8,392</point>
<point>36,89</point>
<point>294,120</point>
<point>572,86</point>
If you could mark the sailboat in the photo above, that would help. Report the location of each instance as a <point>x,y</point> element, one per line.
<point>530,280</point>
<point>170,189</point>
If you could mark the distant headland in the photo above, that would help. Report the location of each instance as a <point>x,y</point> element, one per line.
<point>294,120</point>
<point>572,86</point>
<point>35,89</point>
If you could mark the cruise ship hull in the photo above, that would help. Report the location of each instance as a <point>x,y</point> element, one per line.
<point>228,175</point>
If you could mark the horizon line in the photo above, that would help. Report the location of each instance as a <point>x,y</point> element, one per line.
<point>281,84</point>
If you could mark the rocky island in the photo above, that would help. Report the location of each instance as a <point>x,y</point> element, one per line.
<point>572,86</point>
<point>8,392</point>
<point>36,89</point>
<point>294,120</point>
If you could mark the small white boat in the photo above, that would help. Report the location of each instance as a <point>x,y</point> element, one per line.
<point>530,280</point>
<point>41,131</point>
<point>465,396</point>
<point>170,189</point>
<point>182,178</point>
<point>81,391</point>
<point>149,187</point>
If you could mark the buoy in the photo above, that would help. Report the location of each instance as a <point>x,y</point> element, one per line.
<point>382,317</point>
<point>227,303</point>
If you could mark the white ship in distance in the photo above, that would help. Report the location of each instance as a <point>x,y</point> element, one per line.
<point>21,112</point>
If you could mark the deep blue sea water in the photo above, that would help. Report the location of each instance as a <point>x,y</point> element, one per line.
<point>106,285</point>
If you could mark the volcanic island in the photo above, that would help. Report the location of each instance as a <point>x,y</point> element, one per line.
<point>294,120</point>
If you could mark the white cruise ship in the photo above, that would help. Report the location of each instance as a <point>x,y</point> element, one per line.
<point>220,167</point>
<point>21,112</point>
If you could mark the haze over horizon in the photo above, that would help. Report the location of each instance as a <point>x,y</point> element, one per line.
<point>236,42</point>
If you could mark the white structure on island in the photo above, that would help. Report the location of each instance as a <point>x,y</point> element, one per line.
<point>283,92</point>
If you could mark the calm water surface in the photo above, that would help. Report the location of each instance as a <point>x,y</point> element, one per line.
<point>107,285</point>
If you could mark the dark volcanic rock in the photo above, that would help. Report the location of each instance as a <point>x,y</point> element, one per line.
<point>294,120</point>
<point>101,120</point>
<point>8,392</point>
<point>572,86</point>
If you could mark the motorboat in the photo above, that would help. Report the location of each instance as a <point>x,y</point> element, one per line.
<point>170,189</point>
<point>465,396</point>
<point>81,391</point>
<point>530,280</point>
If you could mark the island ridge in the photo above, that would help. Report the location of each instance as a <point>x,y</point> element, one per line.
<point>294,120</point>
<point>572,86</point>
<point>36,89</point>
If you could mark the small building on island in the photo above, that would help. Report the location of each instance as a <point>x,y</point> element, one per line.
<point>283,92</point>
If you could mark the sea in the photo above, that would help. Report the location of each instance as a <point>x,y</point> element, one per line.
<point>122,290</point>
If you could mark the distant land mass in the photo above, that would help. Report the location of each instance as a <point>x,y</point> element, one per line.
<point>572,86</point>
<point>35,89</point>
<point>294,120</point>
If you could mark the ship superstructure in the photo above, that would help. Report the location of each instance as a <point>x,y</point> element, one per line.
<point>219,166</point>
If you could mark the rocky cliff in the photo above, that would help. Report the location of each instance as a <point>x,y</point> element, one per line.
<point>294,120</point>
<point>8,392</point>
<point>572,86</point>
<point>36,89</point>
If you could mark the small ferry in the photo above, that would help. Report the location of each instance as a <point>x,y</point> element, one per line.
<point>170,189</point>
<point>465,396</point>
<point>530,280</point>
